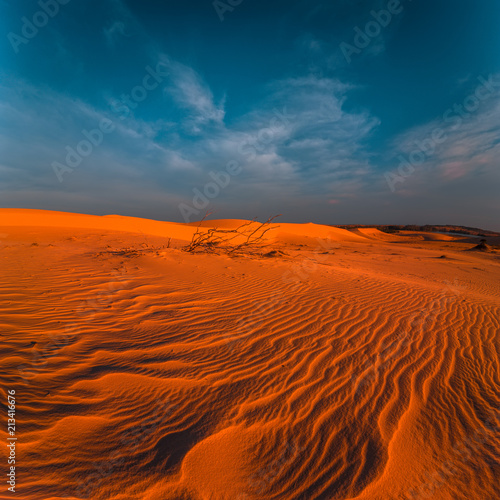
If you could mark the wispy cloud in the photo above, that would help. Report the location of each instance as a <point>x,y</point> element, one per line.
<point>193,95</point>
<point>470,145</point>
<point>299,139</point>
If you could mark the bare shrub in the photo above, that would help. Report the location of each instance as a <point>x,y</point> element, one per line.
<point>220,240</point>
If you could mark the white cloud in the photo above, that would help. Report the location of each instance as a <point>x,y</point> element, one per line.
<point>298,141</point>
<point>192,94</point>
<point>470,145</point>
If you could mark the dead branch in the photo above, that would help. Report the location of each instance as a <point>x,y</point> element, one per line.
<point>215,239</point>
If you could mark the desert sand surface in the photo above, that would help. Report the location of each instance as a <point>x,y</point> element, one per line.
<point>322,364</point>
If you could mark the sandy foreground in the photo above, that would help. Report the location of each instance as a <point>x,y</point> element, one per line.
<point>325,364</point>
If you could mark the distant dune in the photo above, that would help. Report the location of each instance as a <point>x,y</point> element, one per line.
<point>376,234</point>
<point>354,364</point>
<point>454,230</point>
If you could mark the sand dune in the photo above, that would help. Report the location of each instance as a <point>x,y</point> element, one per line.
<point>351,367</point>
<point>285,232</point>
<point>431,236</point>
<point>376,234</point>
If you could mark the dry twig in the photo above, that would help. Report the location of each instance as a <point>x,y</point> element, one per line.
<point>214,238</point>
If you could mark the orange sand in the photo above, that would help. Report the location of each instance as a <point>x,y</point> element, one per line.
<point>349,365</point>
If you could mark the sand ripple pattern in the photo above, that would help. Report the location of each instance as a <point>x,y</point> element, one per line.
<point>228,381</point>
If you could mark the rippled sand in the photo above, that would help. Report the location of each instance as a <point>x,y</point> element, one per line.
<point>347,365</point>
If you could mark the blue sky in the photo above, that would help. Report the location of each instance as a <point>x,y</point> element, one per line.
<point>334,112</point>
